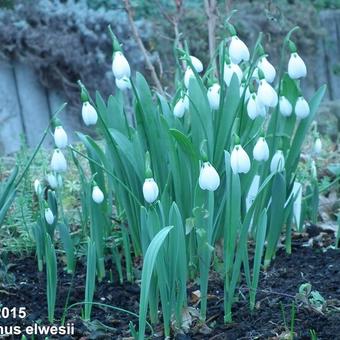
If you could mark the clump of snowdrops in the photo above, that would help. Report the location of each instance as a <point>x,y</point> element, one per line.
<point>215,164</point>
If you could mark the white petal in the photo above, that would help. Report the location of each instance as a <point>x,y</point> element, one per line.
<point>209,178</point>
<point>213,95</point>
<point>278,162</point>
<point>123,83</point>
<point>120,66</point>
<point>238,50</point>
<point>267,69</point>
<point>49,216</point>
<point>285,107</point>
<point>296,67</point>
<point>150,190</point>
<point>229,71</point>
<point>197,64</point>
<point>239,160</point>
<point>180,108</point>
<point>317,146</point>
<point>60,137</point>
<point>252,107</point>
<point>267,94</point>
<point>189,74</point>
<point>58,162</point>
<point>253,191</point>
<point>97,195</point>
<point>261,150</point>
<point>301,108</point>
<point>89,114</point>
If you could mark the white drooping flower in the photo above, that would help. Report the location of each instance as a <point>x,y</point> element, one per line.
<point>253,191</point>
<point>209,178</point>
<point>239,160</point>
<point>266,94</point>
<point>52,181</point>
<point>49,216</point>
<point>278,162</point>
<point>181,106</point>
<point>230,70</point>
<point>301,108</point>
<point>267,68</point>
<point>252,107</point>
<point>297,194</point>
<point>213,95</point>
<point>238,50</point>
<point>285,106</point>
<point>37,187</point>
<point>296,67</point>
<point>89,114</point>
<point>123,83</point>
<point>97,195</point>
<point>120,66</point>
<point>196,63</point>
<point>261,150</point>
<point>317,146</point>
<point>60,137</point>
<point>58,161</point>
<point>150,190</point>
<point>189,74</point>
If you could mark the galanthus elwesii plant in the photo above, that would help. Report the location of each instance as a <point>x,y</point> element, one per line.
<point>216,164</point>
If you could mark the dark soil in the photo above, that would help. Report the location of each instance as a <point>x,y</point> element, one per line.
<point>271,319</point>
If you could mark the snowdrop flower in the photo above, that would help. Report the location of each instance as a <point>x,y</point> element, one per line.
<point>260,108</point>
<point>296,67</point>
<point>267,94</point>
<point>209,178</point>
<point>37,187</point>
<point>49,216</point>
<point>261,150</point>
<point>123,83</point>
<point>229,70</point>
<point>247,94</point>
<point>60,137</point>
<point>301,108</point>
<point>239,160</point>
<point>189,74</point>
<point>89,114</point>
<point>253,191</point>
<point>150,190</point>
<point>252,107</point>
<point>278,162</point>
<point>181,106</point>
<point>58,162</point>
<point>52,181</point>
<point>120,66</point>
<point>213,95</point>
<point>238,50</point>
<point>97,195</point>
<point>285,107</point>
<point>317,146</point>
<point>196,63</point>
<point>297,192</point>
<point>268,69</point>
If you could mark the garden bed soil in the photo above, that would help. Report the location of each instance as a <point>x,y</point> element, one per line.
<point>309,262</point>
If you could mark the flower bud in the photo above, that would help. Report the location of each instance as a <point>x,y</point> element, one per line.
<point>150,190</point>
<point>296,67</point>
<point>238,50</point>
<point>268,69</point>
<point>301,108</point>
<point>120,66</point>
<point>261,150</point>
<point>208,178</point>
<point>266,94</point>
<point>196,63</point>
<point>180,107</point>
<point>317,146</point>
<point>285,107</point>
<point>37,187</point>
<point>58,162</point>
<point>52,181</point>
<point>97,195</point>
<point>213,95</point>
<point>89,114</point>
<point>278,162</point>
<point>239,160</point>
<point>189,74</point>
<point>49,216</point>
<point>229,71</point>
<point>60,137</point>
<point>123,83</point>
